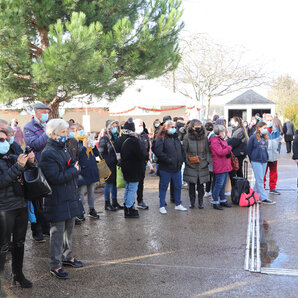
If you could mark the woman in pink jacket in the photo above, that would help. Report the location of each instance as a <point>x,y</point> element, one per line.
<point>221,153</point>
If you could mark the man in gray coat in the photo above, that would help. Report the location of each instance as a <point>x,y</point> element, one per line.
<point>289,131</point>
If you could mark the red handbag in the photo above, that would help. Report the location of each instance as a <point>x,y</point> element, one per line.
<point>249,199</point>
<point>234,162</point>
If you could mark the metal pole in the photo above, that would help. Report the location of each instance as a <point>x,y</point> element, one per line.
<point>258,239</point>
<point>252,260</point>
<point>248,236</point>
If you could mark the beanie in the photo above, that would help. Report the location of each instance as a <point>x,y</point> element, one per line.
<point>129,125</point>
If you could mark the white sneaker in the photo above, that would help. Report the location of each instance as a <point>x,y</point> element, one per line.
<point>163,210</point>
<point>208,194</point>
<point>180,208</point>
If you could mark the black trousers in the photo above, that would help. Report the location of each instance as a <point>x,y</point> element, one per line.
<point>192,191</point>
<point>210,184</point>
<point>289,146</point>
<point>13,222</point>
<point>41,226</point>
<point>141,185</point>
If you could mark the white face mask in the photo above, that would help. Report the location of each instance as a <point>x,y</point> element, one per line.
<point>139,129</point>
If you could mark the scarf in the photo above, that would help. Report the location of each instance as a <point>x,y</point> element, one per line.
<point>129,133</point>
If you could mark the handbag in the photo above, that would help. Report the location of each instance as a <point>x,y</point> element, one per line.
<point>103,169</point>
<point>234,162</point>
<point>249,199</point>
<point>35,184</point>
<point>195,159</point>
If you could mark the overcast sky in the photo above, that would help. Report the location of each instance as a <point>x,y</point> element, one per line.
<point>268,29</point>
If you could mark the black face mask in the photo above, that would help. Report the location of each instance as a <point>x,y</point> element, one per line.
<point>199,129</point>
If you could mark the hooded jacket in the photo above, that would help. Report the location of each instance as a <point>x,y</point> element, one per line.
<point>274,143</point>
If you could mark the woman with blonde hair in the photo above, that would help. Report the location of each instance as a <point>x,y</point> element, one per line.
<point>257,151</point>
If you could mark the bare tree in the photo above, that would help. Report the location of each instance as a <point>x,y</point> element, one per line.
<point>208,69</point>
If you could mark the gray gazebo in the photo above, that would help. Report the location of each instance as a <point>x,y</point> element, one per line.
<point>247,105</point>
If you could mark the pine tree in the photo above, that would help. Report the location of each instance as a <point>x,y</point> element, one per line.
<point>52,50</point>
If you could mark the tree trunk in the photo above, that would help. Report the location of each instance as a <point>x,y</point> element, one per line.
<point>54,105</point>
<point>44,38</point>
<point>207,106</point>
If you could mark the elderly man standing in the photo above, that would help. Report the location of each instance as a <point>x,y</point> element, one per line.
<point>35,137</point>
<point>275,138</point>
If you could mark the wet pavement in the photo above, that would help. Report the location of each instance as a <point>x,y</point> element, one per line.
<point>180,254</point>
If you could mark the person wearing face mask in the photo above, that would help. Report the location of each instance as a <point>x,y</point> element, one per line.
<point>196,172</point>
<point>144,139</point>
<point>171,156</point>
<point>107,149</point>
<point>18,134</point>
<point>14,148</point>
<point>221,166</point>
<point>72,143</point>
<point>156,127</point>
<point>36,138</point>
<point>62,206</point>
<point>257,151</point>
<point>13,210</point>
<point>252,126</point>
<point>274,145</point>
<point>238,141</point>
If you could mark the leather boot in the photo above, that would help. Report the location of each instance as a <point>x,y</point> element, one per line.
<point>109,207</point>
<point>115,204</point>
<point>17,254</point>
<point>2,262</point>
<point>201,203</point>
<point>131,212</point>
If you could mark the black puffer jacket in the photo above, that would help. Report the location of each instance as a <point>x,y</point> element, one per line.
<point>58,168</point>
<point>170,153</point>
<point>238,141</point>
<point>11,196</point>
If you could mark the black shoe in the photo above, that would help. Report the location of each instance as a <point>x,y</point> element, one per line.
<point>191,206</point>
<point>109,207</point>
<point>39,238</point>
<point>201,204</point>
<point>131,212</point>
<point>46,234</point>
<point>226,204</point>
<point>142,205</point>
<point>20,278</point>
<point>75,263</point>
<point>269,202</point>
<point>217,206</point>
<point>116,205</point>
<point>81,217</point>
<point>60,274</point>
<point>77,222</point>
<point>93,214</point>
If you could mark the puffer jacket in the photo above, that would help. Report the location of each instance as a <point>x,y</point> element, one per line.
<point>192,147</point>
<point>238,141</point>
<point>58,168</point>
<point>170,153</point>
<point>274,144</point>
<point>35,137</point>
<point>9,180</point>
<point>220,149</point>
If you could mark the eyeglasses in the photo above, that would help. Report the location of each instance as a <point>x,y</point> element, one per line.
<point>2,140</point>
<point>173,127</point>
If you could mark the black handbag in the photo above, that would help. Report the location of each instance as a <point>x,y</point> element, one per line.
<point>35,184</point>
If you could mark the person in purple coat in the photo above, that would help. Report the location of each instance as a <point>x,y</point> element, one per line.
<point>35,137</point>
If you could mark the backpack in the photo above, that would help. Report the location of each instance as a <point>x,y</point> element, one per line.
<point>249,199</point>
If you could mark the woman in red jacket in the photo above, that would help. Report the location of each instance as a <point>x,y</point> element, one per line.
<point>221,153</point>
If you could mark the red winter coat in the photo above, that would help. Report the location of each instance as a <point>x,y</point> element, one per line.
<point>219,149</point>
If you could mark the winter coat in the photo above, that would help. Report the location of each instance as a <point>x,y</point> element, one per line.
<point>289,131</point>
<point>58,168</point>
<point>132,158</point>
<point>18,135</point>
<point>257,150</point>
<point>15,149</point>
<point>220,149</point>
<point>89,171</point>
<point>252,130</point>
<point>192,147</point>
<point>274,143</point>
<point>238,141</point>
<point>170,153</point>
<point>11,189</point>
<point>295,146</point>
<point>72,145</point>
<point>35,137</point>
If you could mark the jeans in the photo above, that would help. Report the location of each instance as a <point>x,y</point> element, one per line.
<point>218,193</point>
<point>90,192</point>
<point>165,178</point>
<point>259,169</point>
<point>273,175</point>
<point>110,188</point>
<point>129,193</point>
<point>61,242</point>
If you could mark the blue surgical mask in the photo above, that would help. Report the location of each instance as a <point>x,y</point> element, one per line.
<point>44,117</point>
<point>4,147</point>
<point>11,140</point>
<point>264,131</point>
<point>172,130</point>
<point>269,124</point>
<point>62,139</point>
<point>71,134</point>
<point>156,125</point>
<point>113,130</point>
<point>81,133</point>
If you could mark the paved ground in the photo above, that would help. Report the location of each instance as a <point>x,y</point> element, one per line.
<point>181,254</point>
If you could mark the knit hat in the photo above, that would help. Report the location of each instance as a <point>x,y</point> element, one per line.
<point>129,125</point>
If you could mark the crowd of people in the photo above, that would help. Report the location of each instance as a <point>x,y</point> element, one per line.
<point>191,152</point>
